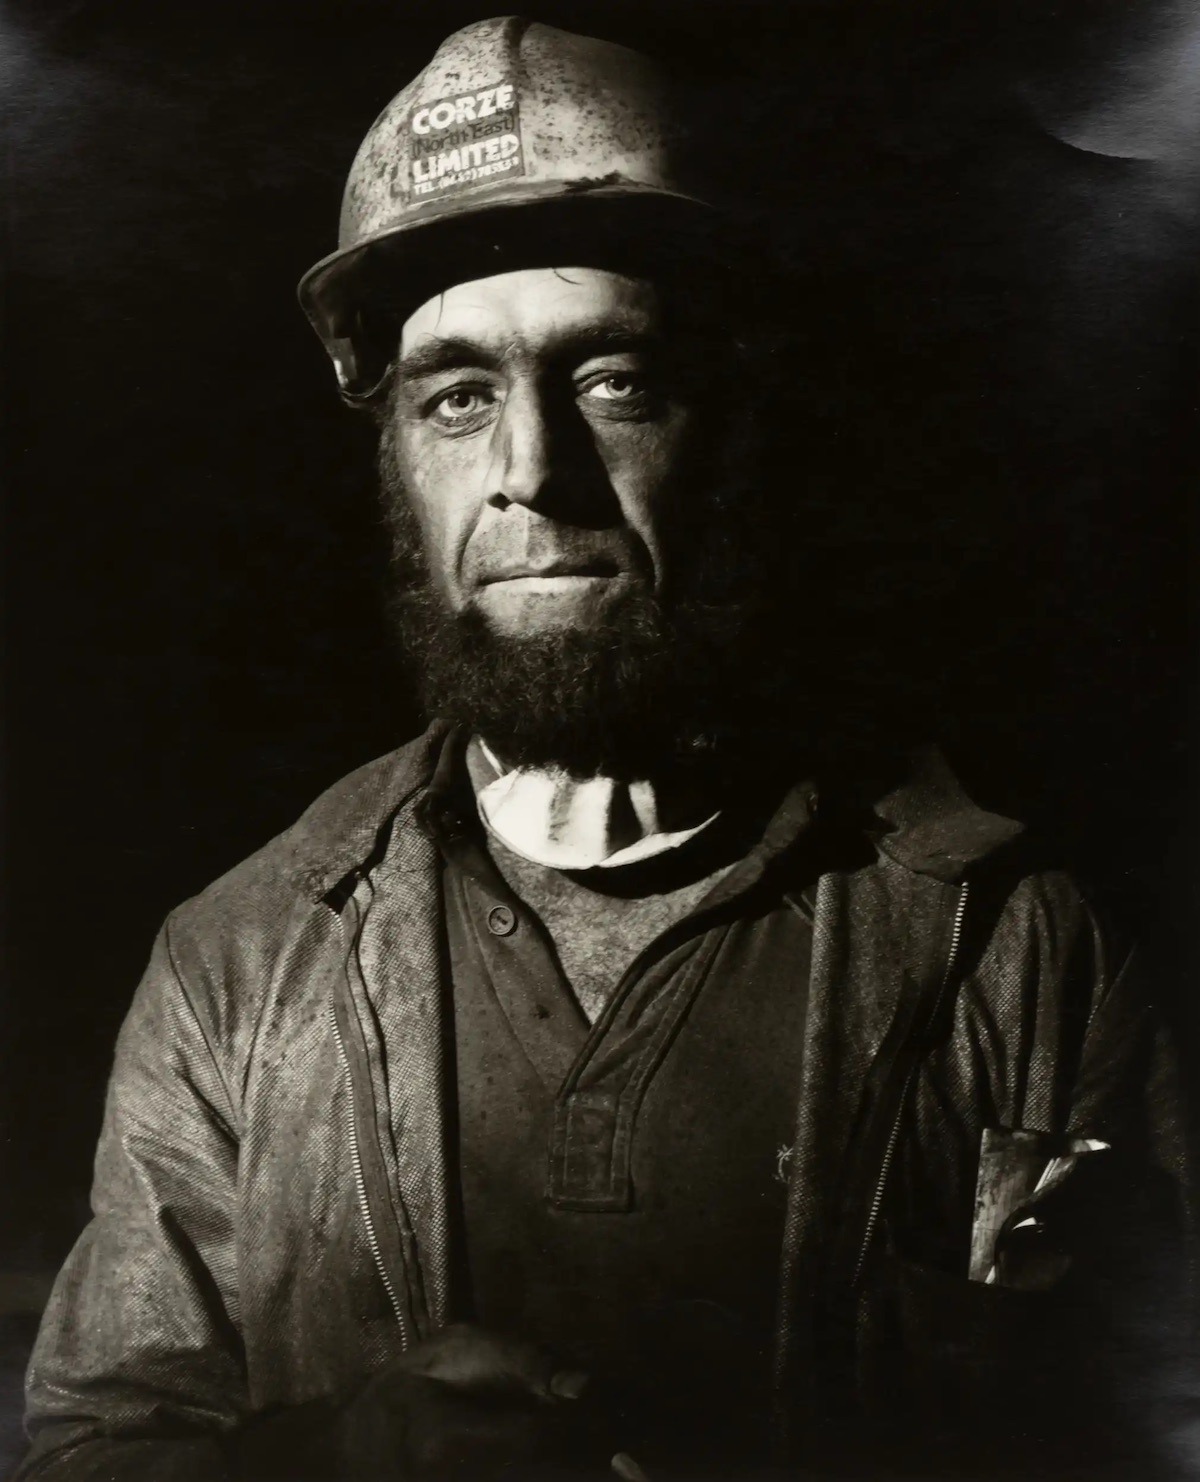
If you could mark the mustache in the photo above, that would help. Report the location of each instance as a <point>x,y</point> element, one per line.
<point>520,543</point>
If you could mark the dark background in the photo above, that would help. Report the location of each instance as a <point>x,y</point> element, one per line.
<point>990,217</point>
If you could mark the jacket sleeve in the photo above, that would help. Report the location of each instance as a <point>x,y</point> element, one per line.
<point>138,1369</point>
<point>1078,1361</point>
<point>1129,1080</point>
<point>1139,1230</point>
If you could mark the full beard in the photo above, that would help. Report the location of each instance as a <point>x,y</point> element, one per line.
<point>616,698</point>
<point>656,682</point>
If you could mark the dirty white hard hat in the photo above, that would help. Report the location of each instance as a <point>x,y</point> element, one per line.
<point>513,126</point>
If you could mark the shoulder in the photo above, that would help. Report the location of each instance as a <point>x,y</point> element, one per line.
<point>225,945</point>
<point>333,835</point>
<point>1026,911</point>
<point>1035,906</point>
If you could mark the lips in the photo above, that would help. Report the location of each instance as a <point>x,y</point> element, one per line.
<point>596,566</point>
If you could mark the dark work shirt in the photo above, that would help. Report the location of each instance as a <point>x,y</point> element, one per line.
<point>622,1183</point>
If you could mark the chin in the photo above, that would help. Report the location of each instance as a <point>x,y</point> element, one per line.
<point>574,681</point>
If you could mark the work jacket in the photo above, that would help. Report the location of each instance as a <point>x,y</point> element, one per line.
<point>272,1201</point>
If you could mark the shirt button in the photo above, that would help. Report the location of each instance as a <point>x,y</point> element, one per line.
<point>502,921</point>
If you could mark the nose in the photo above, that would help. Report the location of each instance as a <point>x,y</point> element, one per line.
<point>522,469</point>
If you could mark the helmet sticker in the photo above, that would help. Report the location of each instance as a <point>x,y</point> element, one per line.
<point>461,141</point>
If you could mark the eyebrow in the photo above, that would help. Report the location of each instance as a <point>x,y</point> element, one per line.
<point>436,356</point>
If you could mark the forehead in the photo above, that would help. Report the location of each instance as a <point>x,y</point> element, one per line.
<point>534,306</point>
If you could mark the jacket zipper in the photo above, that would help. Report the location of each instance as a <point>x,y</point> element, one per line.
<point>783,1334</point>
<point>894,1136</point>
<point>360,1181</point>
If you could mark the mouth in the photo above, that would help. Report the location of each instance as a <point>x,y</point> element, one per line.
<point>551,574</point>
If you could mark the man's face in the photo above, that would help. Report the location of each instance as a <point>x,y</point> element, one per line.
<point>540,433</point>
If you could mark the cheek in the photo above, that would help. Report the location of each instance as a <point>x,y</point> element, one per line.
<point>439,480</point>
<point>651,467</point>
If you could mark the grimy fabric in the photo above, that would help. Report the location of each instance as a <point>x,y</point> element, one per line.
<point>621,1183</point>
<point>596,936</point>
<point>278,1108</point>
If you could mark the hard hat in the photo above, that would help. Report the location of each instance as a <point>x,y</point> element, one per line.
<point>512,126</point>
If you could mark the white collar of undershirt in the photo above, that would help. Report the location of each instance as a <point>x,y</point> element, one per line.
<point>568,823</point>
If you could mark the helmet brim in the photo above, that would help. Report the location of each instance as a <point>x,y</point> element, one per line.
<point>638,228</point>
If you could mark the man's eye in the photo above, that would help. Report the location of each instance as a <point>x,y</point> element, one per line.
<point>462,403</point>
<point>616,386</point>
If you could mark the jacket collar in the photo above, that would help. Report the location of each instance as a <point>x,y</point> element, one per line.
<point>349,825</point>
<point>926,823</point>
<point>931,826</point>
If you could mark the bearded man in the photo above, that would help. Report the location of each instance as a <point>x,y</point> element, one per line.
<point>606,1081</point>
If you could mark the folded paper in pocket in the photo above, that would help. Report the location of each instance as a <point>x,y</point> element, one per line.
<point>1017,1169</point>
